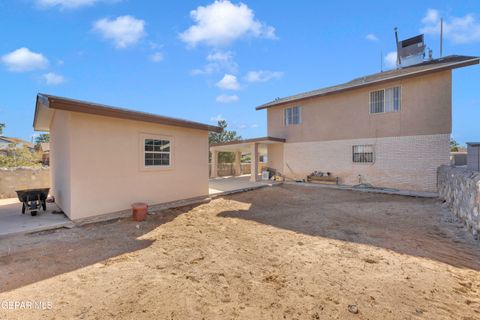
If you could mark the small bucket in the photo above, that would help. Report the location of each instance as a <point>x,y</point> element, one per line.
<point>139,211</point>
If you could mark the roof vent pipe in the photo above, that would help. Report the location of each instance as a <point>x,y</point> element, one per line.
<point>396,41</point>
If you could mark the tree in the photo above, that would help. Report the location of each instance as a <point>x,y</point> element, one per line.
<point>454,145</point>
<point>41,138</point>
<point>224,136</point>
<point>2,126</point>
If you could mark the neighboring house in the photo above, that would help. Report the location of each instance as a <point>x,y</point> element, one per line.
<point>103,159</point>
<point>45,150</point>
<point>473,157</point>
<point>390,129</point>
<point>7,143</point>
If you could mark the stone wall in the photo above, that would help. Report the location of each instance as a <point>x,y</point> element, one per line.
<point>460,188</point>
<point>12,179</point>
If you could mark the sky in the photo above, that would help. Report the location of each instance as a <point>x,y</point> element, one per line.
<point>211,60</point>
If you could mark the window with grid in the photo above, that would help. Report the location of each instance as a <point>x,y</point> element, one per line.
<point>157,153</point>
<point>363,153</point>
<point>385,100</point>
<point>292,116</point>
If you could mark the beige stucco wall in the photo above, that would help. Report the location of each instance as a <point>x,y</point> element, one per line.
<point>107,173</point>
<point>425,110</point>
<point>275,156</point>
<point>408,162</point>
<point>60,159</point>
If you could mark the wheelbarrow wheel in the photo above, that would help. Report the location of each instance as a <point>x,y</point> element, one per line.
<point>44,205</point>
<point>33,213</point>
<point>23,208</point>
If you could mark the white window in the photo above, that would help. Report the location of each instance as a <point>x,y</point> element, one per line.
<point>292,116</point>
<point>157,153</point>
<point>385,100</point>
<point>363,153</point>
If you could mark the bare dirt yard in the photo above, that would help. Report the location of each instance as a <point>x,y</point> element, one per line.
<point>286,252</point>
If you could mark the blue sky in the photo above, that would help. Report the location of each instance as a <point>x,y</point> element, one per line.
<point>181,59</point>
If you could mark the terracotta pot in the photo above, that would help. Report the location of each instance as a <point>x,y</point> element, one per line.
<point>139,211</point>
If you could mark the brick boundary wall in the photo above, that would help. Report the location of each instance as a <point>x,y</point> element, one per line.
<point>460,188</point>
<point>12,179</point>
<point>406,163</point>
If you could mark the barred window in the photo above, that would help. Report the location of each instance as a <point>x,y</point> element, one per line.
<point>157,153</point>
<point>363,153</point>
<point>292,116</point>
<point>385,100</point>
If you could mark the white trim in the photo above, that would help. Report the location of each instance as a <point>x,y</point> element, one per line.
<point>285,118</point>
<point>384,96</point>
<point>155,136</point>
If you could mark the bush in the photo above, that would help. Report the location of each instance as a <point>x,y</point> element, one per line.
<point>20,158</point>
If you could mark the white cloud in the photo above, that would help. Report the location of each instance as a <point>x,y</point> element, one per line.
<point>228,82</point>
<point>69,4</point>
<point>53,79</point>
<point>432,16</point>
<point>371,37</point>
<point>124,31</point>
<point>219,61</point>
<point>156,57</point>
<point>254,125</point>
<point>459,30</point>
<point>23,59</point>
<point>225,98</point>
<point>222,22</point>
<point>217,118</point>
<point>241,126</point>
<point>220,56</point>
<point>263,75</point>
<point>391,59</point>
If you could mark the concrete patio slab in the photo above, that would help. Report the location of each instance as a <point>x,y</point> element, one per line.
<point>225,185</point>
<point>12,221</point>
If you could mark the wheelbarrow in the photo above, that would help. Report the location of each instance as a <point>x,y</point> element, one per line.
<point>33,200</point>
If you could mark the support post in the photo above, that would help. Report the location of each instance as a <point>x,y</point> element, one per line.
<point>237,166</point>
<point>254,162</point>
<point>214,164</point>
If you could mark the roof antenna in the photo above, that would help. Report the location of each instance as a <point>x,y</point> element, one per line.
<point>396,42</point>
<point>381,60</point>
<point>441,37</point>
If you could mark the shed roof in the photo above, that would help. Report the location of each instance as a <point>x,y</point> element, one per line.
<point>435,65</point>
<point>45,104</point>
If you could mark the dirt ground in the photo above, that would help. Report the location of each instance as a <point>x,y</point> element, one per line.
<point>286,252</point>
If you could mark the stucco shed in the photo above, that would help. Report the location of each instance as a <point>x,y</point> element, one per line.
<point>103,159</point>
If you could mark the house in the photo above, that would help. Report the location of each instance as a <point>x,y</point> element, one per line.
<point>473,156</point>
<point>389,129</point>
<point>45,150</point>
<point>7,143</point>
<point>103,159</point>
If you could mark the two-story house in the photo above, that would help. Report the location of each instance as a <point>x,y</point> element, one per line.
<point>389,129</point>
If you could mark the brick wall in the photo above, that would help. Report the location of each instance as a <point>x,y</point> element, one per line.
<point>12,179</point>
<point>408,162</point>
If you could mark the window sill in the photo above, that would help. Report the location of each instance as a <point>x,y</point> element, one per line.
<point>157,168</point>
